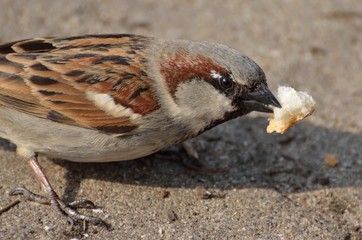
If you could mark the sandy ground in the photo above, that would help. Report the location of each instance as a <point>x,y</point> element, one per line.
<point>277,187</point>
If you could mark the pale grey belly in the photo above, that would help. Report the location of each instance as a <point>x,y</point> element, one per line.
<point>56,140</point>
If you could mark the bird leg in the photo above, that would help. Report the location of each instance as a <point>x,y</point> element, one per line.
<point>190,150</point>
<point>193,160</point>
<point>64,210</point>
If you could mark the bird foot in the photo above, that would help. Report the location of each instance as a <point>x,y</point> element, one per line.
<point>66,211</point>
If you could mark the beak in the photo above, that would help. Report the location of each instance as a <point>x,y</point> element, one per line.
<point>261,99</point>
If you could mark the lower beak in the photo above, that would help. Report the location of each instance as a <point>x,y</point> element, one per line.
<point>261,100</point>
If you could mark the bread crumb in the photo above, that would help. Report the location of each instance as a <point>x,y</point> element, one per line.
<point>331,160</point>
<point>295,107</point>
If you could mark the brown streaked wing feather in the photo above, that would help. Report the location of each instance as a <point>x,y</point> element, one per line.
<point>36,45</point>
<point>14,93</point>
<point>53,76</point>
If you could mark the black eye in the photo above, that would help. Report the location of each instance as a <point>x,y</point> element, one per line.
<point>226,82</point>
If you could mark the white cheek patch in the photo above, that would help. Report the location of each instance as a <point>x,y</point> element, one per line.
<point>201,103</point>
<point>106,103</point>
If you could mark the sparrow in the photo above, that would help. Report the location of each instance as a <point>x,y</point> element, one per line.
<point>101,98</point>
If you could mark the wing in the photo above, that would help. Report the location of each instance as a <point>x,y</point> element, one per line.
<point>93,81</point>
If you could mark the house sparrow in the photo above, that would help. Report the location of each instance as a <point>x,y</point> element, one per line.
<point>100,98</point>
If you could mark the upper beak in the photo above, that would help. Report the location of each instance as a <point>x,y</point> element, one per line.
<point>261,99</point>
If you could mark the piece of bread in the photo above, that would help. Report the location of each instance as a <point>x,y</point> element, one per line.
<point>295,107</point>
